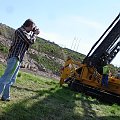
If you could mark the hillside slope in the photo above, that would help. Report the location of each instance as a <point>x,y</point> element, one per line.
<point>42,56</point>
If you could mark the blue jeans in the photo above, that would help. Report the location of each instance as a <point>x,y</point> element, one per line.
<point>105,80</point>
<point>9,77</point>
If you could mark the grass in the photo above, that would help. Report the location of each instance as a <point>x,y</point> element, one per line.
<point>38,98</point>
<point>49,63</point>
<point>47,47</point>
<point>3,49</point>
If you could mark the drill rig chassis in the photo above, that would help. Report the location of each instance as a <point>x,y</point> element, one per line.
<point>86,76</point>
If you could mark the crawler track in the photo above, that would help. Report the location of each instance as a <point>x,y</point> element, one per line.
<point>100,94</point>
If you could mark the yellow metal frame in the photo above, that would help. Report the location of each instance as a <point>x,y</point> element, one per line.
<point>88,76</point>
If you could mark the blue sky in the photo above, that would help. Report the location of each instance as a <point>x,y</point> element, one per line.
<point>75,24</point>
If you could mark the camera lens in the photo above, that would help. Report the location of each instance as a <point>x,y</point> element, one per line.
<point>34,29</point>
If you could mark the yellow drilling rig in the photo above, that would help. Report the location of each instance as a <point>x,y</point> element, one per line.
<point>86,76</point>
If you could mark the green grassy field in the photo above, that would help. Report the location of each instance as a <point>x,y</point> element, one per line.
<point>39,98</point>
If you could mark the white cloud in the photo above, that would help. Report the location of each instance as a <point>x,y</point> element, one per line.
<point>53,37</point>
<point>86,22</point>
<point>64,29</point>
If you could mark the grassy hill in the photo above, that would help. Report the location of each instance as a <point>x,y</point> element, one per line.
<point>47,54</point>
<point>39,98</point>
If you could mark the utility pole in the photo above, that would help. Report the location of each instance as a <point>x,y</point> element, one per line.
<point>73,42</point>
<point>78,44</point>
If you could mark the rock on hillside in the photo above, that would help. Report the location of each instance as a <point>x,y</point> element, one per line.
<point>28,63</point>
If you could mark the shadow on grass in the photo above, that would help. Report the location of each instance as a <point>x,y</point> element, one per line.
<point>52,104</point>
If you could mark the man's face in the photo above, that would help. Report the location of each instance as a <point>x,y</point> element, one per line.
<point>30,28</point>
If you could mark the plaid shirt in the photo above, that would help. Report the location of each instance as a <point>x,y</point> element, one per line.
<point>20,44</point>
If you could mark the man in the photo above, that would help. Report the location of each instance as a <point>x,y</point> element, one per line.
<point>23,38</point>
<point>118,74</point>
<point>105,76</point>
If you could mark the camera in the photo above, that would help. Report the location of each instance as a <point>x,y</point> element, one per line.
<point>34,29</point>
